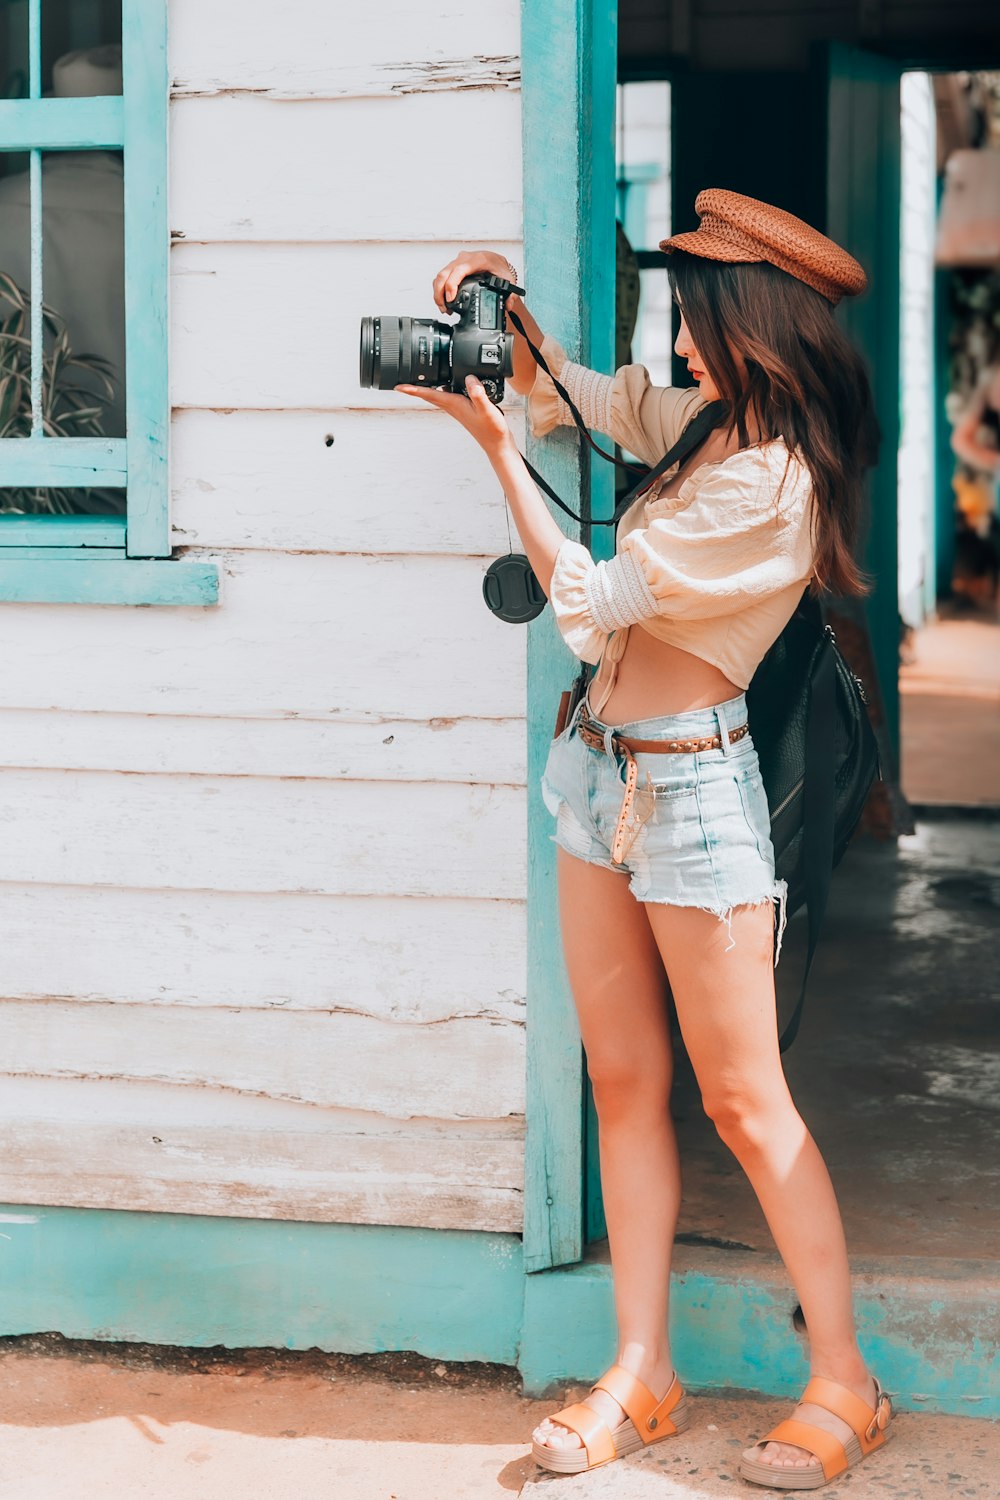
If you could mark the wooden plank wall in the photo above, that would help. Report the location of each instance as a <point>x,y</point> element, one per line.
<point>263,867</point>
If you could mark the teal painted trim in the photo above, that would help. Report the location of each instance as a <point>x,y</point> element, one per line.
<point>47,579</point>
<point>82,532</point>
<point>864,208</point>
<point>632,196</point>
<point>67,462</point>
<point>94,124</point>
<point>37,292</point>
<point>553,1209</point>
<point>923,1327</point>
<point>188,1280</point>
<point>35,48</point>
<point>599,103</point>
<point>147,248</point>
<point>568,150</point>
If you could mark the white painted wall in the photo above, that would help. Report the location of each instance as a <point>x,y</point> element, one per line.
<point>262,870</point>
<point>916,448</point>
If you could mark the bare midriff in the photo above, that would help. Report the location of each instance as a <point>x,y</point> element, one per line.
<point>655,678</point>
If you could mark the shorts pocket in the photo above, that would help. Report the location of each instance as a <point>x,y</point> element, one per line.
<point>755,809</point>
<point>562,778</point>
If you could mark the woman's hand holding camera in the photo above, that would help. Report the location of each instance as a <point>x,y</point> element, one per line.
<point>468,263</point>
<point>540,536</point>
<point>477,414</point>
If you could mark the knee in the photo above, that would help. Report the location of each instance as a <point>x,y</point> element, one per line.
<point>751,1120</point>
<point>624,1088</point>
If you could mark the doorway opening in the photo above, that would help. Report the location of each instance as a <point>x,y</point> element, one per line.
<point>949,457</point>
<point>896,1061</point>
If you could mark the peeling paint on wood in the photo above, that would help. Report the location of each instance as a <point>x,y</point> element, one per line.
<point>433,75</point>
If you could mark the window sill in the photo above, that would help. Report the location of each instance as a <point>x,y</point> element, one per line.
<point>34,575</point>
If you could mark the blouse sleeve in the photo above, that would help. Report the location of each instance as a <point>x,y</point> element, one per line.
<point>734,544</point>
<point>645,419</point>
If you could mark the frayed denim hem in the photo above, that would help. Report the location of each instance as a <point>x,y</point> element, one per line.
<point>778,896</point>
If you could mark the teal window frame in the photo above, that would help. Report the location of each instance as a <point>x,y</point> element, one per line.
<point>105,559</point>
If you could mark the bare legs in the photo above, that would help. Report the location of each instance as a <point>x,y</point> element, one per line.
<point>616,953</point>
<point>620,992</point>
<point>726,1008</point>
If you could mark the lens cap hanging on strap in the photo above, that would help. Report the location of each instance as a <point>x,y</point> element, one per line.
<point>512,591</point>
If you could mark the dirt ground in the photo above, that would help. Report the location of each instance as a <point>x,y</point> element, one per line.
<point>101,1421</point>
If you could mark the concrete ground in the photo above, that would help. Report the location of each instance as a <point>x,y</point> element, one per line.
<point>950,710</point>
<point>89,1421</point>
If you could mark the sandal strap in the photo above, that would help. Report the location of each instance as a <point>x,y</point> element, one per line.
<point>868,1423</point>
<point>592,1429</point>
<point>649,1417</point>
<point>823,1445</point>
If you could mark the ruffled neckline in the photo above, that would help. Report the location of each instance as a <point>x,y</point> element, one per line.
<point>668,504</point>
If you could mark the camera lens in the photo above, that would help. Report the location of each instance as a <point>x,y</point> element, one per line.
<point>404,351</point>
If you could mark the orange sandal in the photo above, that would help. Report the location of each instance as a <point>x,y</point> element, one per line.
<point>870,1426</point>
<point>647,1421</point>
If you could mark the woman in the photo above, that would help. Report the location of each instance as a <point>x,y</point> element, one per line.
<point>710,564</point>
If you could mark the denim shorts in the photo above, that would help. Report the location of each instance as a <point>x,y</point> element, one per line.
<point>706,842</point>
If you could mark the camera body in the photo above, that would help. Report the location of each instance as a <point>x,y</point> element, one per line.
<point>422,351</point>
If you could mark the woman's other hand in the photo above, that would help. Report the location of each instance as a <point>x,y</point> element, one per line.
<point>468,263</point>
<point>476,413</point>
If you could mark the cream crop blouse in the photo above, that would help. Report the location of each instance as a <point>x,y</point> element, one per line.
<point>716,570</point>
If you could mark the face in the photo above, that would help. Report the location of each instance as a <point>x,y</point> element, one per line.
<point>684,347</point>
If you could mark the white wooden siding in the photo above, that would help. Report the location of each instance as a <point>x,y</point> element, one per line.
<point>300,51</point>
<point>262,867</point>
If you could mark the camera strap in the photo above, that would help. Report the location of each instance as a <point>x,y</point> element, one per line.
<point>702,423</point>
<point>510,588</point>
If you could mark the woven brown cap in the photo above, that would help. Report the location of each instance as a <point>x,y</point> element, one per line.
<point>736,228</point>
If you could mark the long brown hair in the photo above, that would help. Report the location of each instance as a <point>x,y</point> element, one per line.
<point>804,380</point>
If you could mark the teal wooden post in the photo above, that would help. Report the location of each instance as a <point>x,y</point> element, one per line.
<point>568,52</point>
<point>863,205</point>
<point>147,248</point>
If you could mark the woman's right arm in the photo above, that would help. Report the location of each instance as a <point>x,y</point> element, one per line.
<point>644,419</point>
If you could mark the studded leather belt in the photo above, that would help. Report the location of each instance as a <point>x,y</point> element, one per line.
<point>594,737</point>
<point>634,812</point>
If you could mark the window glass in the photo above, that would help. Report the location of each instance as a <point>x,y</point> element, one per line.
<point>643,150</point>
<point>83,365</point>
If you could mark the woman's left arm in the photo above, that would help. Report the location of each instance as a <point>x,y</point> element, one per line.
<point>540,535</point>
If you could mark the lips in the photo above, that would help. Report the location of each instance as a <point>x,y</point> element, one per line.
<point>698,374</point>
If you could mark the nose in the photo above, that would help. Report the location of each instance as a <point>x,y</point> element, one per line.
<point>682,344</point>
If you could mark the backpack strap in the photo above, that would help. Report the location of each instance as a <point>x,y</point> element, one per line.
<point>818,808</point>
<point>704,421</point>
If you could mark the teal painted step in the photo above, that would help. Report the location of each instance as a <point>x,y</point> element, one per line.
<point>925,1328</point>
<point>192,1281</point>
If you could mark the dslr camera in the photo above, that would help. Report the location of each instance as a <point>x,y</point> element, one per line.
<point>422,351</point>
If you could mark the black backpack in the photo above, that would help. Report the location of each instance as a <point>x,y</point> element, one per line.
<point>818,759</point>
<point>808,720</point>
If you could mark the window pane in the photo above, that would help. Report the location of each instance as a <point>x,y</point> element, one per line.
<point>643,134</point>
<point>653,335</point>
<point>82,259</point>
